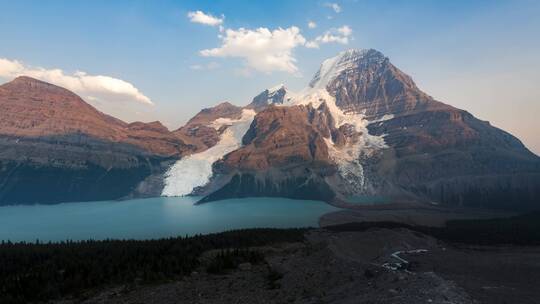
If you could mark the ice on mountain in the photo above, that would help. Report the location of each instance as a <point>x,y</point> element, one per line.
<point>347,60</point>
<point>276,88</point>
<point>196,170</point>
<point>385,117</point>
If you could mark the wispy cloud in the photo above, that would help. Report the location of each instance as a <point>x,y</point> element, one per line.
<point>205,67</point>
<point>206,19</point>
<point>340,35</point>
<point>312,24</point>
<point>345,30</point>
<point>92,87</point>
<point>333,6</point>
<point>261,49</point>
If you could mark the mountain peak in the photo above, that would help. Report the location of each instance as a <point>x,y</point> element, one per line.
<point>359,53</point>
<point>27,80</point>
<point>27,84</point>
<point>274,95</point>
<point>345,60</point>
<point>276,88</point>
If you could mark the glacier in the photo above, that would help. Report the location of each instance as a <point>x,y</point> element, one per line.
<point>196,170</point>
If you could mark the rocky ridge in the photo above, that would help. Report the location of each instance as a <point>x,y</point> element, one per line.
<point>55,147</point>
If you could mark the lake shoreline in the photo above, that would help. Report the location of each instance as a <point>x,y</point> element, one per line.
<point>153,218</point>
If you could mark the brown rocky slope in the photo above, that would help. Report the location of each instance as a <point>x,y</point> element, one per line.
<point>283,154</point>
<point>55,147</point>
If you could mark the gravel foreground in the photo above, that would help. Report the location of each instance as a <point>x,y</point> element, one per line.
<point>373,266</point>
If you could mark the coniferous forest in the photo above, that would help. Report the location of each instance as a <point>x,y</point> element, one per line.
<point>32,272</point>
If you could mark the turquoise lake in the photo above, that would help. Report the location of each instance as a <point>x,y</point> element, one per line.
<point>153,218</point>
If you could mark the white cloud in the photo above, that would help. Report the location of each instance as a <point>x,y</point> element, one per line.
<point>340,35</point>
<point>262,49</point>
<point>205,67</point>
<point>345,30</point>
<point>312,44</point>
<point>93,87</point>
<point>202,18</point>
<point>333,6</point>
<point>312,24</point>
<point>10,67</point>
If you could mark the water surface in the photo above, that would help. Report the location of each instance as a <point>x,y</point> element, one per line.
<point>153,218</point>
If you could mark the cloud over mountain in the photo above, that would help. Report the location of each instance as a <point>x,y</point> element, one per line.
<point>340,35</point>
<point>92,87</point>
<point>261,49</point>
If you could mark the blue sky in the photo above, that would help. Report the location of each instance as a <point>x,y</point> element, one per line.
<point>481,56</point>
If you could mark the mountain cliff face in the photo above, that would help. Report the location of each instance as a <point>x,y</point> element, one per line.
<point>361,127</point>
<point>54,147</point>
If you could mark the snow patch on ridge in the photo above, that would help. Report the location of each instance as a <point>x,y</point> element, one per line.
<point>385,117</point>
<point>196,170</point>
<point>273,90</point>
<point>348,158</point>
<point>331,68</point>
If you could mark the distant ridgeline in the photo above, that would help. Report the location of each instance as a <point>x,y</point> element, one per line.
<point>360,127</point>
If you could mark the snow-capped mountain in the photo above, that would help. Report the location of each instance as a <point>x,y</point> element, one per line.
<point>362,127</point>
<point>359,127</point>
<point>277,95</point>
